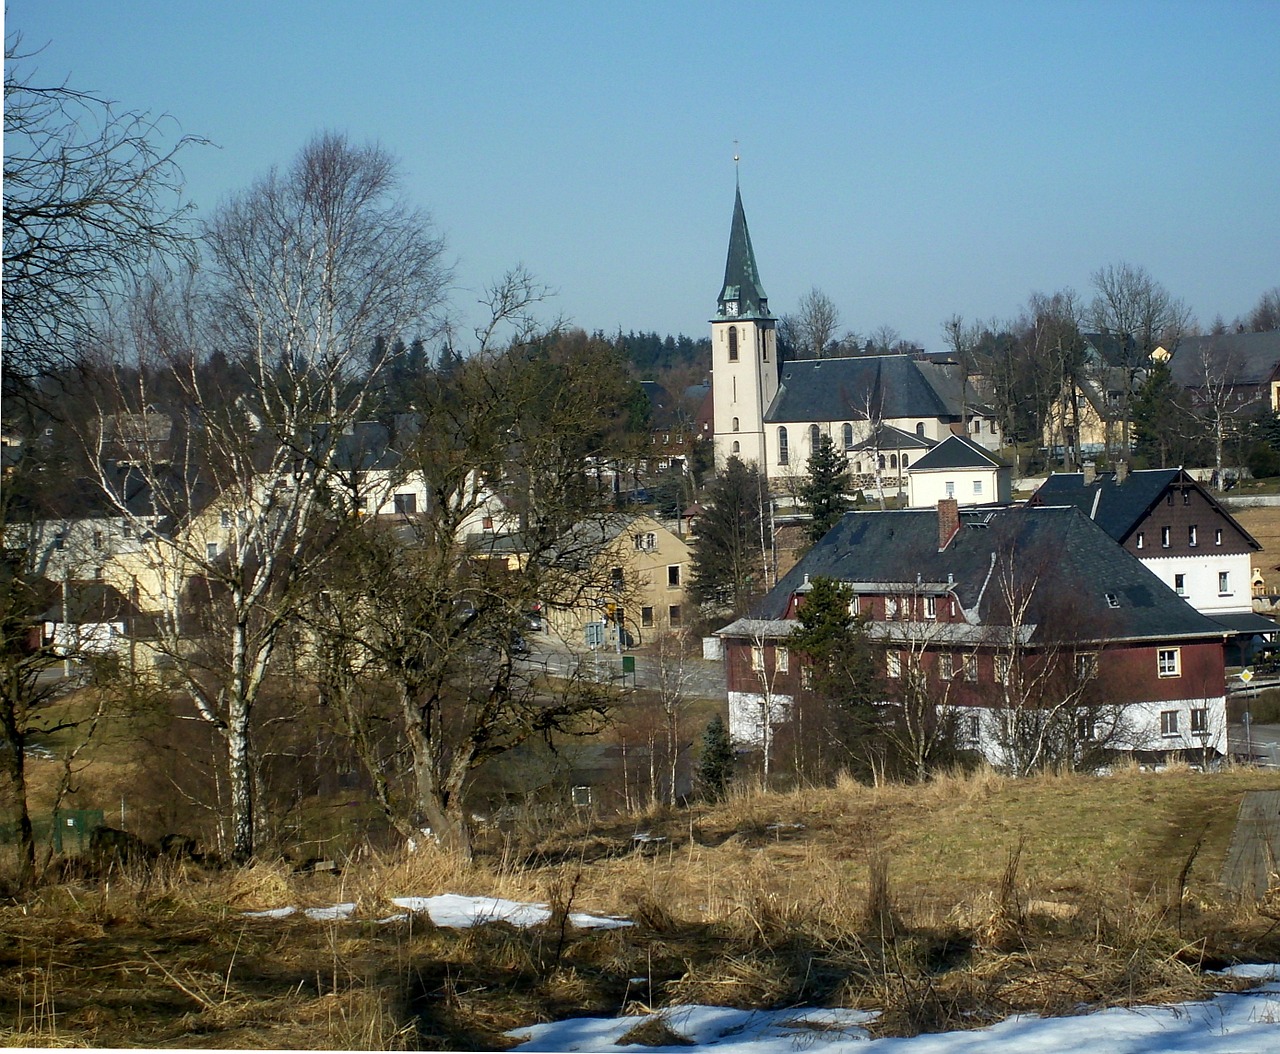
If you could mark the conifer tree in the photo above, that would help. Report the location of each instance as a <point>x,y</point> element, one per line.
<point>823,494</point>
<point>715,763</point>
<point>727,543</point>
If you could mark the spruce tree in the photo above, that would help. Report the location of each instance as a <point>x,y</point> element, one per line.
<point>822,495</point>
<point>715,763</point>
<point>727,560</point>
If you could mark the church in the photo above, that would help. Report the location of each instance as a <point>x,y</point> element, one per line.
<point>884,411</point>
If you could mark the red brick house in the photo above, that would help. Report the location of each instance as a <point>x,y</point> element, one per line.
<point>1008,618</point>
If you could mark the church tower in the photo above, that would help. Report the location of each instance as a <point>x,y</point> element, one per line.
<point>744,352</point>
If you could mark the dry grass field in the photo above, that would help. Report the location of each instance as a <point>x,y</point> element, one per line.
<point>946,905</point>
<point>1264,525</point>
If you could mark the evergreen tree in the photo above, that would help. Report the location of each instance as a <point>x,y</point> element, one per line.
<point>822,495</point>
<point>727,546</point>
<point>715,763</point>
<point>1159,419</point>
<point>842,722</point>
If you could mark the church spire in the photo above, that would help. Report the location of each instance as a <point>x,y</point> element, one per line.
<point>742,295</point>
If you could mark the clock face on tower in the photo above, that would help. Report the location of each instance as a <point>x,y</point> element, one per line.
<point>731,308</point>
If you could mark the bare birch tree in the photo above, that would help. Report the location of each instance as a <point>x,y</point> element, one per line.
<point>302,272</point>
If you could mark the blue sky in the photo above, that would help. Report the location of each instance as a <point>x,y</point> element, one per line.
<point>913,160</point>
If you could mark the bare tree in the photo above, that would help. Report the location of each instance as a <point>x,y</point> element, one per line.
<point>814,326</point>
<point>303,272</point>
<point>1142,315</point>
<point>1218,370</point>
<point>91,199</point>
<point>1265,315</point>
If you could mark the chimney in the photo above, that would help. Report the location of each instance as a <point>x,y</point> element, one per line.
<point>1090,473</point>
<point>948,521</point>
<point>1122,471</point>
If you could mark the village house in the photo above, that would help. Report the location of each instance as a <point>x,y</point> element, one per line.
<point>977,602</point>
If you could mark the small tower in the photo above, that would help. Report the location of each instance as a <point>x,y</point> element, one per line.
<point>744,352</point>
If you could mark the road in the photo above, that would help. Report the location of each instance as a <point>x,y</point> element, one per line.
<point>702,677</point>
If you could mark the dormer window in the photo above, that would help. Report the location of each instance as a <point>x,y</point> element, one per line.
<point>1113,601</point>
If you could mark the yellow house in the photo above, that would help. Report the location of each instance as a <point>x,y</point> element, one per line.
<point>642,571</point>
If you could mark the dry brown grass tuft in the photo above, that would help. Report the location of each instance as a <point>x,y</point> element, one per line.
<point>654,1031</point>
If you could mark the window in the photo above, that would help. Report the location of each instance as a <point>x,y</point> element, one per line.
<point>673,615</point>
<point>848,437</point>
<point>1217,536</point>
<point>226,518</point>
<point>646,616</point>
<point>757,658</point>
<point>1180,585</point>
<point>920,429</point>
<point>1113,601</point>
<point>735,424</point>
<point>814,438</point>
<point>1168,722</point>
<point>946,667</point>
<point>737,447</point>
<point>673,576</point>
<point>1186,497</point>
<point>1200,721</point>
<point>904,460</point>
<point>211,550</point>
<point>890,608</point>
<point>1192,537</point>
<point>1141,540</point>
<point>782,660</point>
<point>1168,498</point>
<point>977,426</point>
<point>977,488</point>
<point>97,539</point>
<point>616,575</point>
<point>1165,537</point>
<point>854,606</point>
<point>1086,727</point>
<point>486,523</point>
<point>1169,662</point>
<point>951,489</point>
<point>406,504</point>
<point>646,542</point>
<point>784,455</point>
<point>973,728</point>
<point>764,346</point>
<point>1086,666</point>
<point>1224,581</point>
<point>893,460</point>
<point>1002,664</point>
<point>893,664</point>
<point>733,343</point>
<point>970,667</point>
<point>930,607</point>
<point>806,676</point>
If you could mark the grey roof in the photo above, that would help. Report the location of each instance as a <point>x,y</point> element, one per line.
<point>1118,508</point>
<point>887,437</point>
<point>1246,622</point>
<point>664,412</point>
<point>741,276</point>
<point>1240,358</point>
<point>1082,578</point>
<point>862,387</point>
<point>957,452</point>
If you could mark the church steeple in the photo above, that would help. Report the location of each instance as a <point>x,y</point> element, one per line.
<point>742,295</point>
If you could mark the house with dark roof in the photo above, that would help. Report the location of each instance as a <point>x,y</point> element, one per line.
<point>1239,372</point>
<point>1170,522</point>
<point>1087,417</point>
<point>1009,616</point>
<point>774,413</point>
<point>959,468</point>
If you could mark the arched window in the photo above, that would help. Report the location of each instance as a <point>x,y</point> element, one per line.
<point>736,448</point>
<point>813,439</point>
<point>893,460</point>
<point>920,429</point>
<point>904,460</point>
<point>733,343</point>
<point>735,424</point>
<point>784,455</point>
<point>857,467</point>
<point>848,437</point>
<point>882,461</point>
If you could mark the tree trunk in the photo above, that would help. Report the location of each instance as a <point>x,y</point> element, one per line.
<point>240,778</point>
<point>13,789</point>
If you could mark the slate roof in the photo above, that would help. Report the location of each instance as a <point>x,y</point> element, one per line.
<point>957,452</point>
<point>1118,508</point>
<point>741,275</point>
<point>887,437</point>
<point>663,409</point>
<point>1076,567</point>
<point>1248,358</point>
<point>844,389</point>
